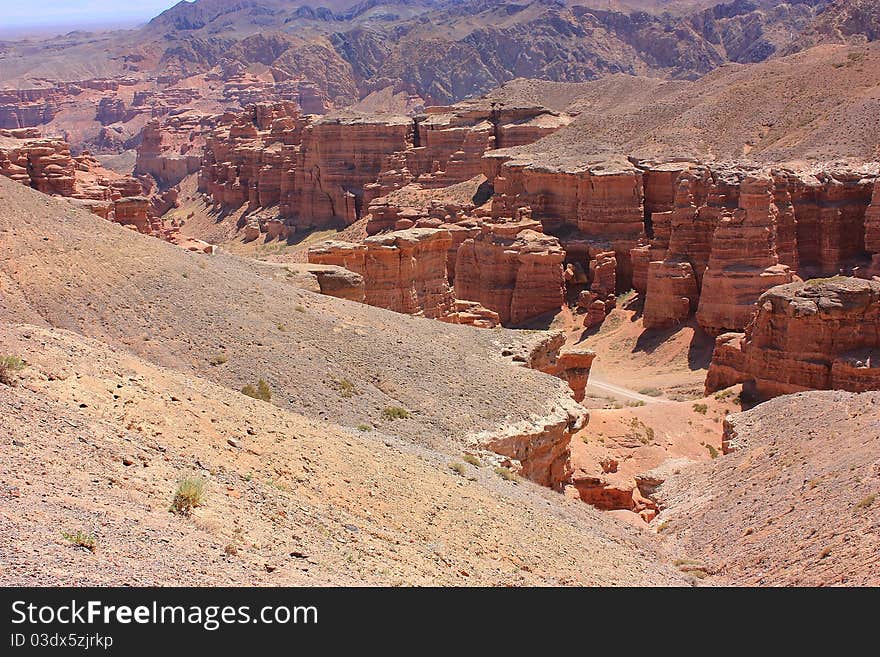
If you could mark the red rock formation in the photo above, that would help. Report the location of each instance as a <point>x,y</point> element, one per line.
<point>471,313</point>
<point>111,110</point>
<point>671,287</point>
<point>872,229</point>
<point>512,269</point>
<point>830,210</point>
<point>135,212</point>
<point>744,262</point>
<point>404,271</point>
<point>573,365</point>
<point>25,108</point>
<point>172,149</point>
<point>820,335</point>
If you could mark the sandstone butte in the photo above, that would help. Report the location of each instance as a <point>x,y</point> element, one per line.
<point>818,335</point>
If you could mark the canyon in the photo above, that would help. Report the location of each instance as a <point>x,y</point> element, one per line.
<point>372,266</point>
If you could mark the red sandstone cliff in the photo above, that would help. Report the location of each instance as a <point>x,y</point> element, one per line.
<point>818,335</point>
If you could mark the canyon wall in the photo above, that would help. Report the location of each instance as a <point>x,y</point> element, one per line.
<point>404,271</point>
<point>818,335</point>
<point>512,269</point>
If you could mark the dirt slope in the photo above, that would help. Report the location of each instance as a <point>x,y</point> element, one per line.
<point>65,268</point>
<point>94,440</point>
<point>821,104</point>
<point>796,503</point>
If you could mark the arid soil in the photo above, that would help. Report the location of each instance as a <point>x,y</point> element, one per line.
<point>795,503</point>
<point>445,293</point>
<point>84,406</point>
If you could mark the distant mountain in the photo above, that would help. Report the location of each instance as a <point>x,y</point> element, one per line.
<point>440,50</point>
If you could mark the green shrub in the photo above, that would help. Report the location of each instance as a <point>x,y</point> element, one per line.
<point>866,502</point>
<point>346,388</point>
<point>458,468</point>
<point>81,539</point>
<point>701,408</point>
<point>473,460</point>
<point>262,391</point>
<point>507,474</point>
<point>395,413</point>
<point>651,392</point>
<point>190,494</point>
<point>364,427</point>
<point>10,366</point>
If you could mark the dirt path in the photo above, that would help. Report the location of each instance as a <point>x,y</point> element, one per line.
<point>598,384</point>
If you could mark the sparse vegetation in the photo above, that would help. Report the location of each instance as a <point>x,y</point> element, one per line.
<point>458,468</point>
<point>640,431</point>
<point>395,413</point>
<point>10,366</point>
<point>713,453</point>
<point>262,391</point>
<point>81,539</point>
<point>219,359</point>
<point>651,391</point>
<point>345,387</point>
<point>473,460</point>
<point>282,328</point>
<point>829,279</point>
<point>625,297</point>
<point>701,408</point>
<point>636,403</point>
<point>507,474</point>
<point>866,502</point>
<point>364,427</point>
<point>190,494</point>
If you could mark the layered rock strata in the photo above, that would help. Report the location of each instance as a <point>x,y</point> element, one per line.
<point>404,271</point>
<point>818,335</point>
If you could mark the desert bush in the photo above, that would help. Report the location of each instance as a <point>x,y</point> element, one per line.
<point>507,474</point>
<point>81,539</point>
<point>190,494</point>
<point>473,460</point>
<point>458,468</point>
<point>346,388</point>
<point>395,413</point>
<point>701,408</point>
<point>262,391</point>
<point>364,427</point>
<point>219,359</point>
<point>10,366</point>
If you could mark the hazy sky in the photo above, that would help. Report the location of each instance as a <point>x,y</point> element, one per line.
<point>35,13</point>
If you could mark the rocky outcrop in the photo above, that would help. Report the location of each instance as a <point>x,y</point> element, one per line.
<point>404,271</point>
<point>512,269</point>
<point>172,149</point>
<point>671,288</point>
<point>872,230</point>
<point>818,335</point>
<point>539,449</point>
<point>331,280</point>
<point>573,366</point>
<point>830,210</point>
<point>736,231</point>
<point>26,108</point>
<point>744,262</point>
